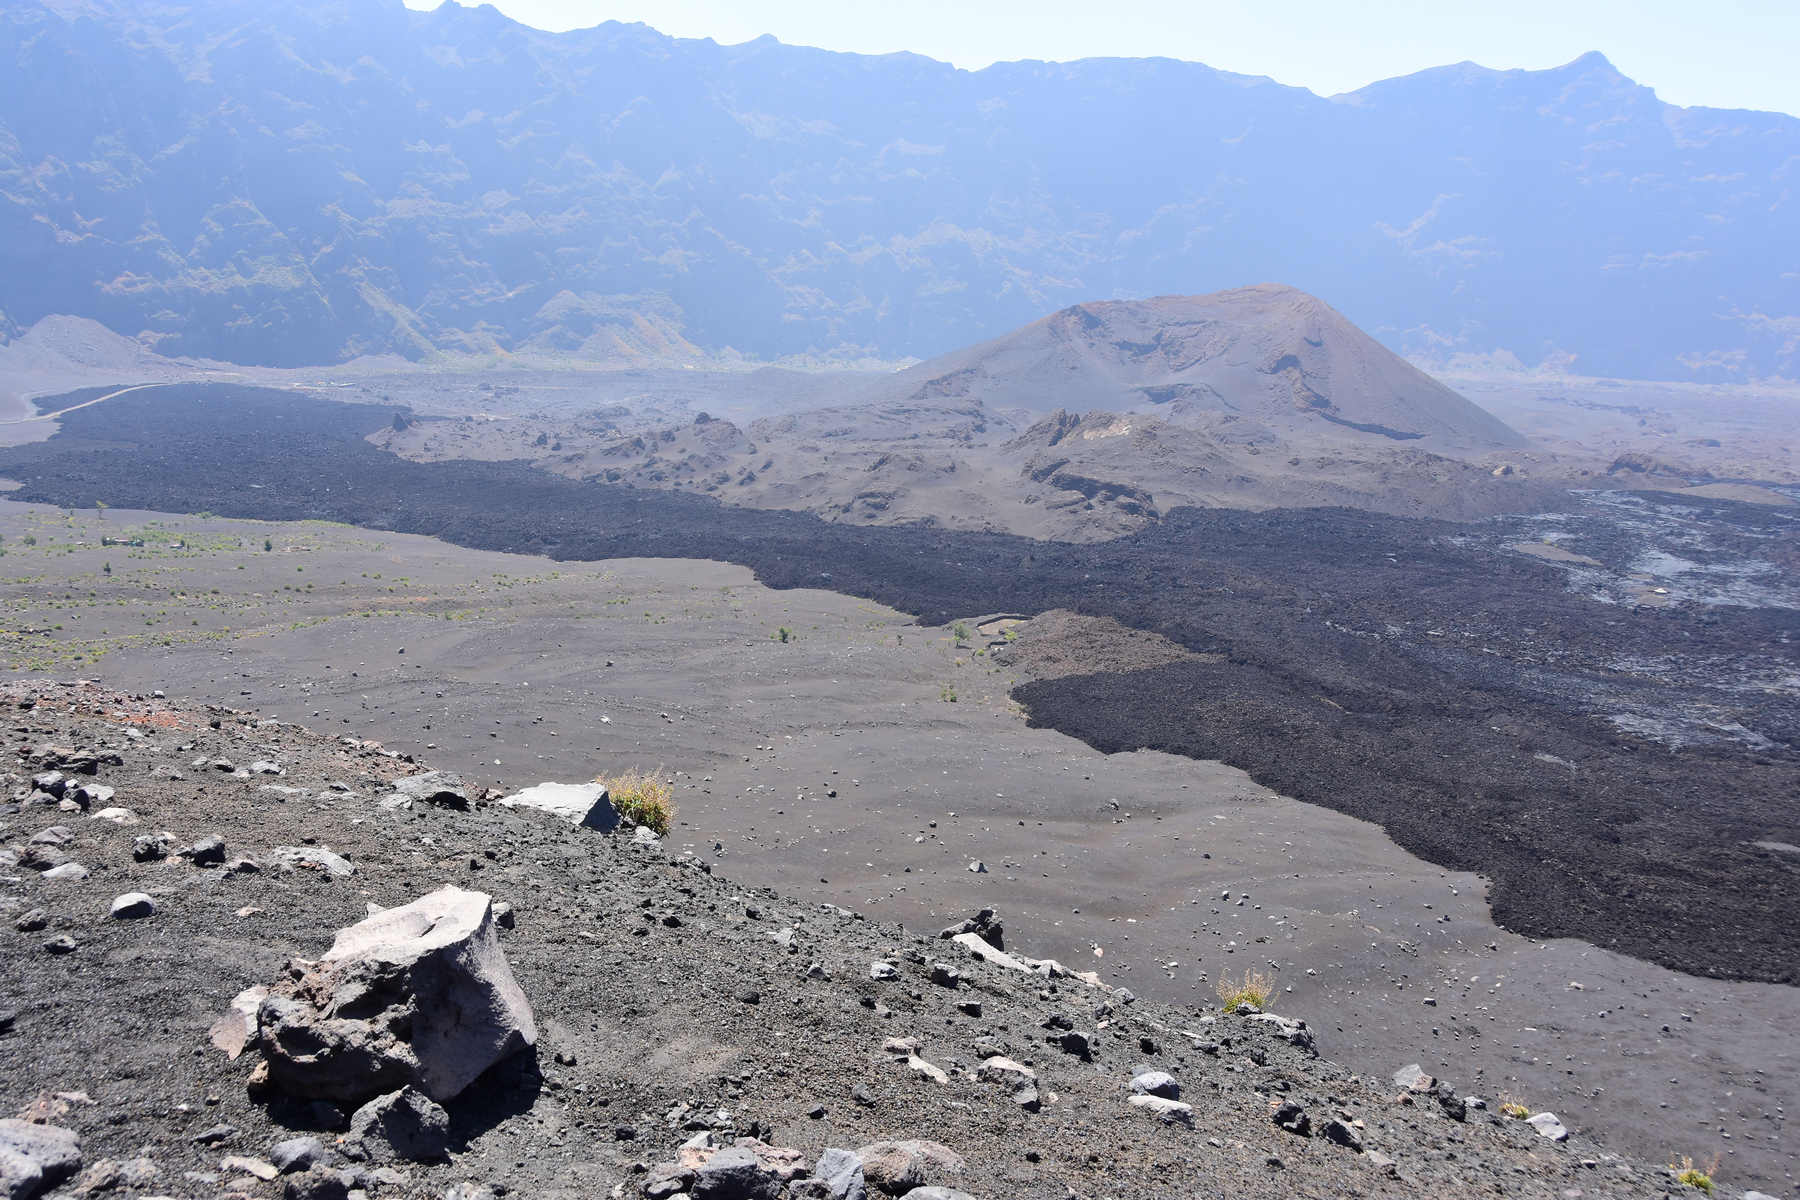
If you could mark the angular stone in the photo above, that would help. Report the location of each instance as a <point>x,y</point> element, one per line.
<point>318,1183</point>
<point>237,1028</point>
<point>1156,1083</point>
<point>311,858</point>
<point>434,787</point>
<point>34,1157</point>
<point>928,1070</point>
<point>981,949</point>
<point>1293,1118</point>
<point>118,816</point>
<point>420,994</point>
<point>583,805</point>
<point>1000,1069</point>
<point>897,1167</point>
<point>735,1173</point>
<point>405,1125</point>
<point>132,906</point>
<point>1343,1135</point>
<point>152,847</point>
<point>842,1174</point>
<point>249,1166</point>
<point>68,873</point>
<point>1170,1111</point>
<point>1548,1126</point>
<point>1413,1078</point>
<point>936,1193</point>
<point>297,1154</point>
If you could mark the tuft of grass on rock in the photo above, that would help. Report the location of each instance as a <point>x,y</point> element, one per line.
<point>1254,988</point>
<point>641,797</point>
<point>1688,1175</point>
<point>1514,1110</point>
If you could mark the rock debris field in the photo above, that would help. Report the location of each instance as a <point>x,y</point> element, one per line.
<point>241,958</point>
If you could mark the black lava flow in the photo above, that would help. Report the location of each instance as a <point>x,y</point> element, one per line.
<point>1380,666</point>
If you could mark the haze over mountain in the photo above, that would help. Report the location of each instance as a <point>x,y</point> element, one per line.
<point>288,183</point>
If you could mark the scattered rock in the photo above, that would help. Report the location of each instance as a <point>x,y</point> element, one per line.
<point>68,873</point>
<point>152,847</point>
<point>1156,1083</point>
<point>432,969</point>
<point>1548,1126</point>
<point>207,852</point>
<point>584,805</point>
<point>319,1183</point>
<point>439,788</point>
<point>841,1173</point>
<point>897,1167</point>
<point>311,858</point>
<point>1166,1110</point>
<point>217,1135</point>
<point>297,1154</point>
<point>132,906</point>
<point>1338,1132</point>
<point>405,1124</point>
<point>32,921</point>
<point>1413,1078</point>
<point>945,975</point>
<point>1293,1118</point>
<point>34,1157</point>
<point>736,1173</point>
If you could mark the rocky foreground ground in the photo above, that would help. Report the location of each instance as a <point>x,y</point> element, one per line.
<point>182,1016</point>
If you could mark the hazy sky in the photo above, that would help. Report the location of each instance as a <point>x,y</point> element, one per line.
<point>1726,53</point>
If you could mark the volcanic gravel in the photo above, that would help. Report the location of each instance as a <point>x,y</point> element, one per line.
<point>668,1000</point>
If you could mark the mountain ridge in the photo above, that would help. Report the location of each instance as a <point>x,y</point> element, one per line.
<point>381,180</point>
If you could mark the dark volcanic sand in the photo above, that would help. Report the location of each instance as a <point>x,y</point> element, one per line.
<point>515,670</point>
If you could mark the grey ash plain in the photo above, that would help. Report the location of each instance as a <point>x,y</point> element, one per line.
<point>563,671</point>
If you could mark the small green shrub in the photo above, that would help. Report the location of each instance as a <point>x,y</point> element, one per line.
<point>1515,1110</point>
<point>784,635</point>
<point>642,798</point>
<point>960,631</point>
<point>1688,1175</point>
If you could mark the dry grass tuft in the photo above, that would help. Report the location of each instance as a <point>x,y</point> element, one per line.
<point>1254,988</point>
<point>641,797</point>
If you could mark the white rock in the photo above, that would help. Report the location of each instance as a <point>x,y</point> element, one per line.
<point>986,953</point>
<point>132,905</point>
<point>118,816</point>
<point>1168,1110</point>
<point>933,1073</point>
<point>68,873</point>
<point>1548,1126</point>
<point>314,858</point>
<point>1001,1069</point>
<point>584,805</point>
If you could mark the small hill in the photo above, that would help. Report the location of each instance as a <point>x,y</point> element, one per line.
<point>1272,354</point>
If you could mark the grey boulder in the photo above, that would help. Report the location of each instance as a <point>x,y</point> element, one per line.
<point>418,995</point>
<point>584,805</point>
<point>736,1173</point>
<point>34,1158</point>
<point>841,1173</point>
<point>405,1124</point>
